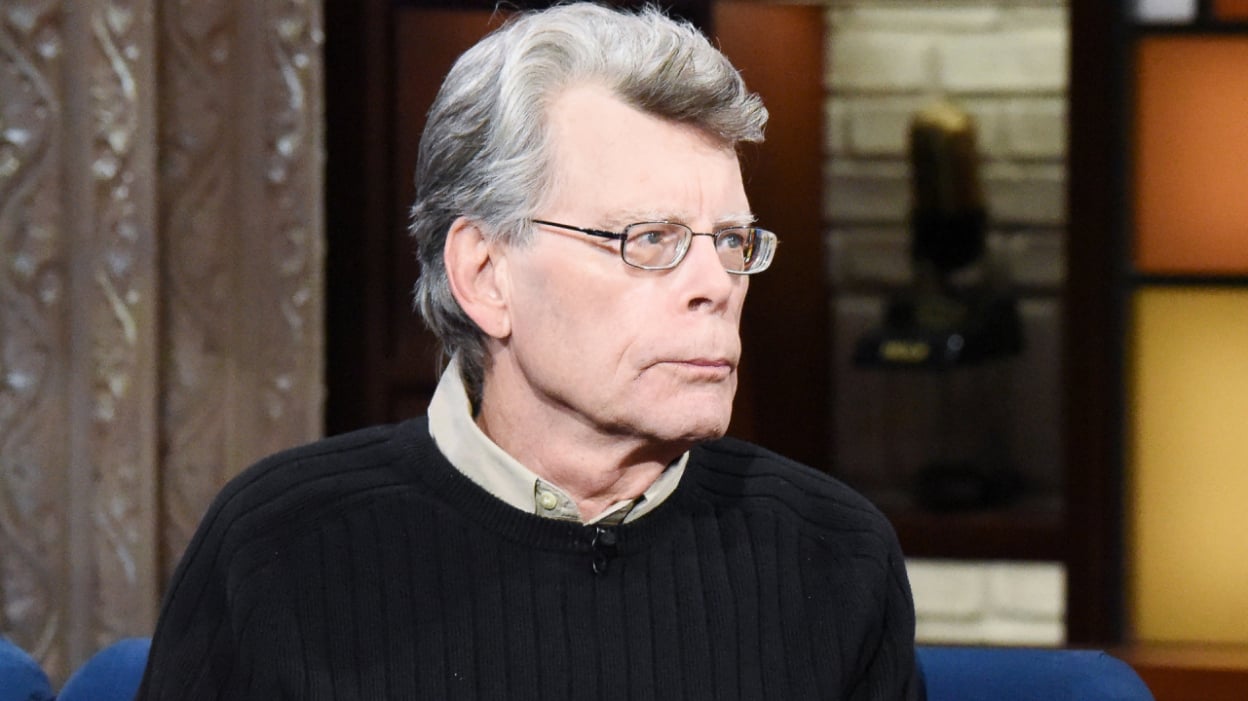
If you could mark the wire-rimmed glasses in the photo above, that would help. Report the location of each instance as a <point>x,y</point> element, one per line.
<point>661,245</point>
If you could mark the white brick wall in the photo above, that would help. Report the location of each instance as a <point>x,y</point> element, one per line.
<point>1016,61</point>
<point>1034,128</point>
<point>865,191</point>
<point>880,60</point>
<point>989,602</point>
<point>1005,62</point>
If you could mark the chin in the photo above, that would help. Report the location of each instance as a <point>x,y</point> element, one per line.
<point>690,429</point>
<point>684,416</point>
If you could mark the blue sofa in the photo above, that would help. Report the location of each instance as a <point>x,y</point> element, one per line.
<point>1024,674</point>
<point>21,677</point>
<point>951,674</point>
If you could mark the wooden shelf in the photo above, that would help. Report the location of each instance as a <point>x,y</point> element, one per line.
<point>1023,533</point>
<point>1196,672</point>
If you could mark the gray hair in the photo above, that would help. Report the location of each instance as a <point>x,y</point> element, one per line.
<point>485,154</point>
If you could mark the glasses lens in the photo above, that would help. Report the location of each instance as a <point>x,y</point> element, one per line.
<point>745,249</point>
<point>654,244</point>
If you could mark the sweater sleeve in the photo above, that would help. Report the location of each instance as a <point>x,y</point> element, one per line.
<point>892,672</point>
<point>218,621</point>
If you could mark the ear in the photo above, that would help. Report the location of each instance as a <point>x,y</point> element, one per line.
<point>476,277</point>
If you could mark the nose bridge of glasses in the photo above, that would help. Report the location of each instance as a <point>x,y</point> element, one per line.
<point>735,258</point>
<point>724,256</point>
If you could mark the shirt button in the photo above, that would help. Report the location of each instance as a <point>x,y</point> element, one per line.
<point>547,500</point>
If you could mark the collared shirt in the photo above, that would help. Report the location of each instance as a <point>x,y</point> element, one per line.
<point>480,459</point>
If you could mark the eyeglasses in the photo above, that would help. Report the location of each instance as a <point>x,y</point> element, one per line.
<point>661,245</point>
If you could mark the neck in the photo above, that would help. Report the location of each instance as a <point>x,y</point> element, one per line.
<point>595,468</point>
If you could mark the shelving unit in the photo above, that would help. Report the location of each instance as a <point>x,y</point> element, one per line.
<point>1182,295</point>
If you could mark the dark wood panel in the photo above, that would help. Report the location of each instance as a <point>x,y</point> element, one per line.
<point>426,44</point>
<point>1092,352</point>
<point>784,400</point>
<point>357,210</point>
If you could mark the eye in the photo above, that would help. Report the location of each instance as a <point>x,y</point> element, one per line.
<point>653,236</point>
<point>732,239</point>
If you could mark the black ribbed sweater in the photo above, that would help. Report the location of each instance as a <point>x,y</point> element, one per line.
<point>366,566</point>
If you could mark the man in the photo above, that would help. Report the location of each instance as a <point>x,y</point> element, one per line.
<point>566,522</point>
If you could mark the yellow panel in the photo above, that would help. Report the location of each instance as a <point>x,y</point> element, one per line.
<point>1191,155</point>
<point>1188,495</point>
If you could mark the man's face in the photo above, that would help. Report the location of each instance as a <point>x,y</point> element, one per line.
<point>605,348</point>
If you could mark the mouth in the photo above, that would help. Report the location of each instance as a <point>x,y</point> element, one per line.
<point>702,368</point>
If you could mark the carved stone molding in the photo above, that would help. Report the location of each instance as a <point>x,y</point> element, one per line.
<point>113,324</point>
<point>240,204</point>
<point>160,290</point>
<point>34,455</point>
<point>197,166</point>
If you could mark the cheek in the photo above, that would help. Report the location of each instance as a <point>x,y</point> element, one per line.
<point>737,301</point>
<point>563,312</point>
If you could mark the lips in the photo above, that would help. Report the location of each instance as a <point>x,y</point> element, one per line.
<point>708,362</point>
<point>708,367</point>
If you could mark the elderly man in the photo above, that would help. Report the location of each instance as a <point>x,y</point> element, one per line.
<point>567,521</point>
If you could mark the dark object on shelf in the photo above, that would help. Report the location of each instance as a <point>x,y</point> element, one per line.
<point>956,313</point>
<point>939,323</point>
<point>964,486</point>
<point>979,329</point>
<point>947,217</point>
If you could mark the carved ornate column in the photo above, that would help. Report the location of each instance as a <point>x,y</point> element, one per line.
<point>160,290</point>
<point>240,209</point>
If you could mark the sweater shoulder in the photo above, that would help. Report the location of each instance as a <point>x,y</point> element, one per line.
<point>756,478</point>
<point>284,490</point>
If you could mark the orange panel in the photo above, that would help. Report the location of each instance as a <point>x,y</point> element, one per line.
<point>1191,155</point>
<point>1230,9</point>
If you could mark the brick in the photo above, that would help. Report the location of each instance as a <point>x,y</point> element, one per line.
<point>990,632</point>
<point>879,61</point>
<point>1027,590</point>
<point>918,17</point>
<point>988,114</point>
<point>1054,14</point>
<point>1023,633</point>
<point>948,589</point>
<point>937,632</point>
<point>1015,61</point>
<point>1025,194</point>
<point>869,257</point>
<point>880,126</point>
<point>954,602</point>
<point>866,192</point>
<point>1036,128</point>
<point>835,127</point>
<point>1034,259</point>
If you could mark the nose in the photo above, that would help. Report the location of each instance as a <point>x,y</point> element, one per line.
<point>705,282</point>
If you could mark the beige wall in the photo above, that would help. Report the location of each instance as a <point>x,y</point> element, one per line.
<point>160,290</point>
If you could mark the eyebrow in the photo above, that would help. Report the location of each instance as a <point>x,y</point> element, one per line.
<point>621,219</point>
